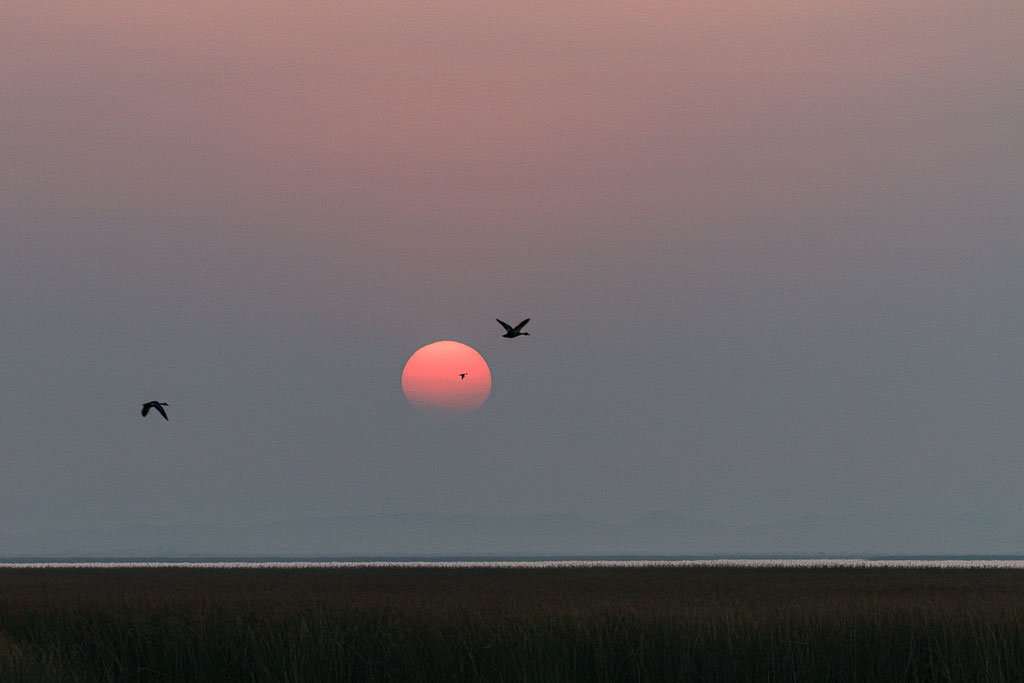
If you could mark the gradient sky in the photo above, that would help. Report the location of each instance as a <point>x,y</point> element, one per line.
<point>771,250</point>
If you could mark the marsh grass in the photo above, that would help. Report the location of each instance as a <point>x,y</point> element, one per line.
<point>512,624</point>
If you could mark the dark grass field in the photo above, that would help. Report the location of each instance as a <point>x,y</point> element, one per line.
<point>512,624</point>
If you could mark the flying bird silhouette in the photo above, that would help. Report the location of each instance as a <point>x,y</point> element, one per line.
<point>516,331</point>
<point>463,375</point>
<point>154,404</point>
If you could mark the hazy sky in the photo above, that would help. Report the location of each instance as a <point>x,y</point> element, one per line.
<point>772,253</point>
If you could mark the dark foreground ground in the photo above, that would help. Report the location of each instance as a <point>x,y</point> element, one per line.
<point>544,625</point>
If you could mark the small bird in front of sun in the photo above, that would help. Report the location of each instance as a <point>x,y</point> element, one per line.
<point>516,331</point>
<point>463,375</point>
<point>154,404</point>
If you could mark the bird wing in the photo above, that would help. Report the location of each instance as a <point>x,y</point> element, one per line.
<point>508,328</point>
<point>160,409</point>
<point>520,325</point>
<point>145,409</point>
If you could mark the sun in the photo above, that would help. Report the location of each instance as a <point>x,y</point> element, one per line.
<point>446,378</point>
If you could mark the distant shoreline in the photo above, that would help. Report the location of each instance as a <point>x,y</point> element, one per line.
<point>538,563</point>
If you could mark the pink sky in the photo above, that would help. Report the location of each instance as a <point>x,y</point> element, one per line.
<point>485,111</point>
<point>455,135</point>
